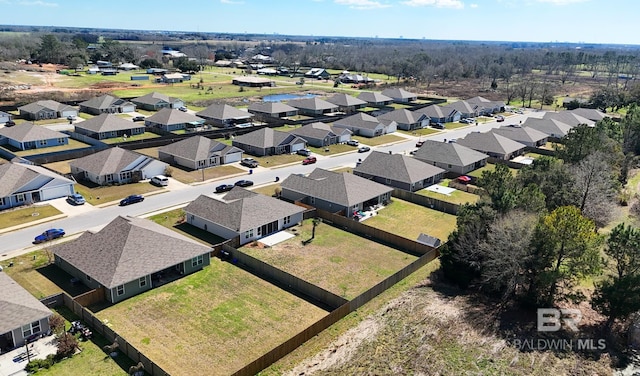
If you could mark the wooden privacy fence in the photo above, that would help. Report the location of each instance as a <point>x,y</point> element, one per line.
<point>427,202</point>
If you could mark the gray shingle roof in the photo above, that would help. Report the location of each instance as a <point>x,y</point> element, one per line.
<point>345,100</point>
<point>359,120</point>
<point>548,126</point>
<point>489,142</point>
<point>104,102</point>
<point>374,97</point>
<point>27,132</point>
<point>568,117</point>
<point>170,116</point>
<point>521,134</point>
<point>398,93</point>
<point>589,113</point>
<point>463,107</point>
<point>341,188</point>
<point>107,123</point>
<point>108,161</point>
<point>401,116</point>
<point>314,103</point>
<point>397,167</point>
<point>484,102</point>
<point>271,107</point>
<point>267,137</point>
<point>154,98</point>
<point>241,209</point>
<point>448,153</point>
<point>198,148</point>
<point>15,176</point>
<point>223,112</point>
<point>126,249</point>
<point>318,130</point>
<point>18,306</point>
<point>46,104</point>
<point>435,111</point>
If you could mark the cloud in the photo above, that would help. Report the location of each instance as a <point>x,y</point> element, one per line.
<point>473,6</point>
<point>455,4</point>
<point>362,4</point>
<point>37,3</point>
<point>562,2</point>
<point>231,2</point>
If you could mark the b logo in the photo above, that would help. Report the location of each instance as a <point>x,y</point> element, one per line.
<point>550,319</point>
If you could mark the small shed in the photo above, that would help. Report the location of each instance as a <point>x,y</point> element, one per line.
<point>429,240</point>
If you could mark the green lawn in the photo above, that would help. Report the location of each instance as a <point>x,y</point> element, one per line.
<point>175,220</point>
<point>489,167</point>
<point>333,149</point>
<point>14,217</point>
<point>456,197</point>
<point>409,220</point>
<point>267,190</point>
<point>217,319</point>
<point>335,260</point>
<point>420,132</point>
<point>73,144</point>
<point>278,160</point>
<point>380,140</point>
<point>25,272</point>
<point>135,137</point>
<point>96,195</point>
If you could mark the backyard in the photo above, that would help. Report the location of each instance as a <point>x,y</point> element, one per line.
<point>456,197</point>
<point>335,260</point>
<point>174,219</point>
<point>409,220</point>
<point>210,322</point>
<point>73,144</point>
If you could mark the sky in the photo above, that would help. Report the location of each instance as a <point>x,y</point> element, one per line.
<point>575,21</point>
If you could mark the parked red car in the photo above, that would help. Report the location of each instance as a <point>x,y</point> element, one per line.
<point>309,160</point>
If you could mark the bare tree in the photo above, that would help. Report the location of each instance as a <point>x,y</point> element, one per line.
<point>595,184</point>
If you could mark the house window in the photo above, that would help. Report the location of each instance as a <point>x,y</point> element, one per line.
<point>88,277</point>
<point>248,234</point>
<point>142,281</point>
<point>30,329</point>
<point>387,181</point>
<point>42,142</point>
<point>197,260</point>
<point>312,200</point>
<point>287,220</point>
<point>21,197</point>
<point>200,163</point>
<point>125,175</point>
<point>61,140</point>
<point>2,201</point>
<point>120,290</point>
<point>449,166</point>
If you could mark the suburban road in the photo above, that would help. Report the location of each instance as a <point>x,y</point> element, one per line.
<point>19,242</point>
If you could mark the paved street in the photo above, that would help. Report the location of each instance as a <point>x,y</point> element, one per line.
<point>19,242</point>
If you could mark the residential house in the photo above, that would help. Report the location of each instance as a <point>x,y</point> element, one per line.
<point>347,103</point>
<point>108,126</point>
<point>554,128</point>
<point>174,78</point>
<point>439,114</point>
<point>375,99</point>
<point>400,95</point>
<point>263,110</point>
<point>128,66</point>
<point>5,117</point>
<point>24,184</point>
<point>27,136</point>
<point>451,156</point>
<point>318,74</point>
<point>348,78</point>
<point>169,119</point>
<point>116,166</point>
<point>569,117</point>
<point>224,116</point>
<point>493,144</point>
<point>197,152</point>
<point>313,106</point>
<point>155,101</point>
<point>23,316</point>
<point>486,106</point>
<point>46,109</point>
<point>362,124</point>
<point>587,113</point>
<point>320,134</point>
<point>466,109</point>
<point>566,102</point>
<point>405,119</point>
<point>524,135</point>
<point>398,171</point>
<point>106,104</point>
<point>266,141</point>
<point>129,256</point>
<point>243,213</point>
<point>252,81</point>
<point>335,192</point>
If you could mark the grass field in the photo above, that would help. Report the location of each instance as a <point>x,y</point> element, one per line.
<point>96,195</point>
<point>333,149</point>
<point>210,322</point>
<point>267,190</point>
<point>73,144</point>
<point>409,220</point>
<point>456,197</point>
<point>380,140</point>
<point>14,217</point>
<point>135,137</point>
<point>489,167</point>
<point>25,272</point>
<point>420,132</point>
<point>174,220</point>
<point>189,177</point>
<point>335,260</point>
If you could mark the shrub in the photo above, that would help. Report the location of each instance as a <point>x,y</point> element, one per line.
<point>37,364</point>
<point>67,345</point>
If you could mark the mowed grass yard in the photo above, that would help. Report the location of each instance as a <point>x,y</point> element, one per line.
<point>96,195</point>
<point>380,140</point>
<point>14,217</point>
<point>72,145</point>
<point>456,197</point>
<point>211,322</point>
<point>335,260</point>
<point>408,220</point>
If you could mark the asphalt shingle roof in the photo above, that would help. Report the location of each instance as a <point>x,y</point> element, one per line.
<point>345,100</point>
<point>107,123</point>
<point>223,112</point>
<point>318,130</point>
<point>398,93</point>
<point>170,116</point>
<point>18,306</point>
<point>400,116</point>
<point>548,126</point>
<point>589,113</point>
<point>448,153</point>
<point>374,97</point>
<point>271,107</point>
<point>489,142</point>
<point>27,132</point>
<point>463,107</point>
<point>521,134</point>
<point>266,137</point>
<point>46,104</point>
<point>397,167</point>
<point>15,176</point>
<point>126,249</point>
<point>108,161</point>
<point>242,210</point>
<point>154,98</point>
<point>314,103</point>
<point>568,117</point>
<point>435,111</point>
<point>197,148</point>
<point>341,188</point>
<point>359,120</point>
<point>104,101</point>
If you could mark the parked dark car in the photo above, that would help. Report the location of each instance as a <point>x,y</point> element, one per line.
<point>419,143</point>
<point>438,125</point>
<point>51,234</point>
<point>138,118</point>
<point>363,149</point>
<point>224,188</point>
<point>131,200</point>
<point>249,162</point>
<point>304,152</point>
<point>76,199</point>
<point>10,123</point>
<point>243,183</point>
<point>309,160</point>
